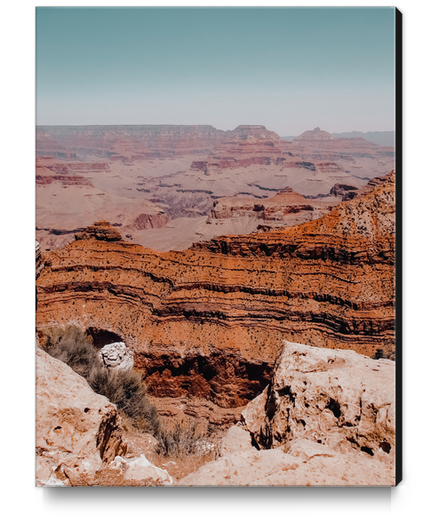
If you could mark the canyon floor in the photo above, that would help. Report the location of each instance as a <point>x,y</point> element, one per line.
<point>163,186</point>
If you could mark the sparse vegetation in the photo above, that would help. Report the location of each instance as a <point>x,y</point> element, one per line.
<point>127,391</point>
<point>184,439</point>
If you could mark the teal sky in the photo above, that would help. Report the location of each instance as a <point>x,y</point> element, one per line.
<point>289,69</point>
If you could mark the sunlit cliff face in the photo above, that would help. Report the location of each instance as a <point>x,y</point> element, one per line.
<point>209,321</point>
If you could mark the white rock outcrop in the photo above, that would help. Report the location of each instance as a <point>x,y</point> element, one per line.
<point>80,439</point>
<point>139,469</point>
<point>305,464</point>
<point>335,397</point>
<point>326,418</point>
<point>117,356</point>
<point>77,430</point>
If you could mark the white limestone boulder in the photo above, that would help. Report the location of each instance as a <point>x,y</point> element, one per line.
<point>117,356</point>
<point>335,397</point>
<point>326,419</point>
<point>140,470</point>
<point>80,437</point>
<point>306,464</point>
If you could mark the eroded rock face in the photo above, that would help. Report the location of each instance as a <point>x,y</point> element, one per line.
<point>222,308</point>
<point>306,464</point>
<point>234,215</point>
<point>39,261</point>
<point>333,397</point>
<point>116,356</point>
<point>77,431</point>
<point>102,230</point>
<point>80,437</point>
<point>327,418</point>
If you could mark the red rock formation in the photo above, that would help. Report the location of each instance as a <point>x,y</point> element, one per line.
<point>78,167</point>
<point>128,141</point>
<point>311,164</point>
<point>245,146</point>
<point>314,135</point>
<point>344,190</point>
<point>246,215</point>
<point>102,231</point>
<point>219,310</point>
<point>182,170</point>
<point>65,180</point>
<point>39,262</point>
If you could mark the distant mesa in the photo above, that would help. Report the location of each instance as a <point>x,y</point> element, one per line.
<point>315,134</point>
<point>253,131</point>
<point>145,178</point>
<point>383,138</point>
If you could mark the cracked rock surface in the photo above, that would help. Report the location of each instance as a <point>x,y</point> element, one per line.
<point>117,356</point>
<point>326,418</point>
<point>80,437</point>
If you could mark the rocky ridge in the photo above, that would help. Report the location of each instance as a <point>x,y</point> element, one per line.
<point>208,322</point>
<point>327,418</point>
<point>155,174</point>
<point>333,397</point>
<point>65,407</point>
<point>245,215</point>
<point>126,142</point>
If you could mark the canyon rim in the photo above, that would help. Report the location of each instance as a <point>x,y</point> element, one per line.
<point>217,300</point>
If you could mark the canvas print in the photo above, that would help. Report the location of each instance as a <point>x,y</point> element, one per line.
<point>215,247</point>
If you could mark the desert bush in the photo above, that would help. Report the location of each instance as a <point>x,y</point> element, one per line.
<point>74,347</point>
<point>182,440</point>
<point>125,389</point>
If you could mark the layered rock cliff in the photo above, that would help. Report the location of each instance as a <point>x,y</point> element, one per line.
<point>209,321</point>
<point>123,142</point>
<point>245,215</point>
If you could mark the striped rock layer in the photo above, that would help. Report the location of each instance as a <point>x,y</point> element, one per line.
<point>209,321</point>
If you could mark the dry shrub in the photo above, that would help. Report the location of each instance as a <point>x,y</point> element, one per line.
<point>184,439</point>
<point>127,391</point>
<point>74,347</point>
<point>123,388</point>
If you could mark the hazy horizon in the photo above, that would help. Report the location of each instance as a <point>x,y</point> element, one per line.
<point>289,69</point>
<point>186,125</point>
